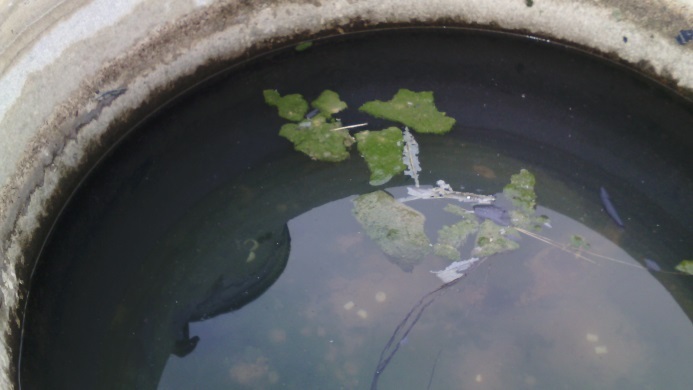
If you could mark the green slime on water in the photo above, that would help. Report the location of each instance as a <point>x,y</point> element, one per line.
<point>318,138</point>
<point>452,237</point>
<point>292,107</point>
<point>395,227</point>
<point>493,239</point>
<point>686,266</point>
<point>413,109</point>
<point>328,103</point>
<point>382,151</point>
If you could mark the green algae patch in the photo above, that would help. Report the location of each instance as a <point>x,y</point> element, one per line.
<point>382,151</point>
<point>328,103</point>
<point>521,193</point>
<point>493,239</point>
<point>396,228</point>
<point>317,138</point>
<point>686,267</point>
<point>292,107</point>
<point>578,243</point>
<point>413,109</point>
<point>452,237</point>
<point>303,46</point>
<point>457,210</point>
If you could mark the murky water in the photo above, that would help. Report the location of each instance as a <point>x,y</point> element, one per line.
<point>206,253</point>
<point>534,318</point>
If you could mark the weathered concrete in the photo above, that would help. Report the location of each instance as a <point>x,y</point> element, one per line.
<point>58,58</point>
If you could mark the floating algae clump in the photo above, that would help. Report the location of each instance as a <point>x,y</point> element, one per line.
<point>292,107</point>
<point>382,151</point>
<point>396,228</point>
<point>686,267</point>
<point>520,191</point>
<point>451,238</point>
<point>413,109</point>
<point>328,103</point>
<point>317,138</point>
<point>493,239</point>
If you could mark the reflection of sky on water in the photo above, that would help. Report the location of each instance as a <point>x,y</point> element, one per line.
<point>534,318</point>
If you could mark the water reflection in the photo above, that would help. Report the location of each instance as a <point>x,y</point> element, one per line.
<point>538,317</point>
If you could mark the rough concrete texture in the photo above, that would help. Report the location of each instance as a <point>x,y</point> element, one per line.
<point>58,58</point>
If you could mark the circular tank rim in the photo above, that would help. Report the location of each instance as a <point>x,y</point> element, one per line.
<point>74,74</point>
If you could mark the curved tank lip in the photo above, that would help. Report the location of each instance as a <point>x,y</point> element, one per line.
<point>74,74</point>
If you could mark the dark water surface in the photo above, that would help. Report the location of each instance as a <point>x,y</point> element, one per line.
<point>205,252</point>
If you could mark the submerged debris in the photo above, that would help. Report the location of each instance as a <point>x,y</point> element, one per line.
<point>609,207</point>
<point>444,190</point>
<point>492,212</point>
<point>455,270</point>
<point>684,37</point>
<point>652,265</point>
<point>410,156</point>
<point>404,327</point>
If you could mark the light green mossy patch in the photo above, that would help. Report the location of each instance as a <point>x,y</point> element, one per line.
<point>303,46</point>
<point>451,238</point>
<point>520,191</point>
<point>328,103</point>
<point>317,138</point>
<point>292,107</point>
<point>457,210</point>
<point>395,227</point>
<point>382,151</point>
<point>413,109</point>
<point>578,243</point>
<point>493,239</point>
<point>686,267</point>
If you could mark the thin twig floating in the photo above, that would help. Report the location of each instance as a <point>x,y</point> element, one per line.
<point>410,156</point>
<point>407,324</point>
<point>609,207</point>
<point>583,252</point>
<point>350,126</point>
<point>433,370</point>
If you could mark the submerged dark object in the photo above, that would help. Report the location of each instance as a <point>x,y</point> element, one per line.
<point>402,331</point>
<point>652,265</point>
<point>399,336</point>
<point>494,213</point>
<point>609,207</point>
<point>684,37</point>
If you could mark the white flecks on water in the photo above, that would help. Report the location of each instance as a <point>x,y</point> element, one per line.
<point>380,297</point>
<point>349,305</point>
<point>600,349</point>
<point>591,337</point>
<point>362,313</point>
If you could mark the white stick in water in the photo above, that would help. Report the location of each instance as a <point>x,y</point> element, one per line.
<point>410,156</point>
<point>455,270</point>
